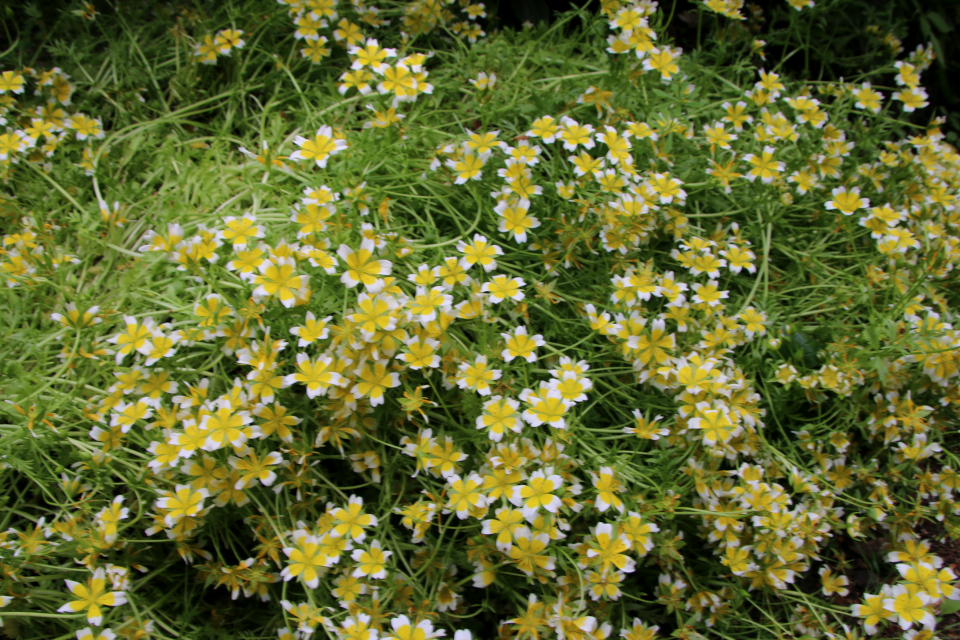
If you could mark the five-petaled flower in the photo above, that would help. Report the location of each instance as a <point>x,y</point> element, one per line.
<point>183,502</point>
<point>371,562</point>
<point>520,344</point>
<point>538,493</point>
<point>847,201</point>
<point>350,522</point>
<point>319,148</point>
<point>92,596</point>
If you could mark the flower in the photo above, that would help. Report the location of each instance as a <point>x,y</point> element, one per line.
<point>718,136</point>
<point>370,55</point>
<point>351,521</point>
<point>545,128</point>
<point>501,287</point>
<point>467,166</point>
<point>909,605</point>
<point>847,201</point>
<point>504,525</point>
<point>915,551</point>
<point>84,127</point>
<point>912,98</point>
<point>109,518</point>
<point>526,551</point>
<point>399,80</point>
<point>307,557</point>
<point>546,407</point>
<point>479,251</point>
<point>484,143</point>
<point>374,313</point>
<point>667,188</point>
<point>371,562</point>
<point>521,345</point>
<point>477,375</point>
<point>206,51</point>
<point>873,611</point>
<point>907,74</point>
<point>361,267</point>
<point>832,583</point>
<point>348,32</point>
<point>764,166</point>
<point>574,134</point>
<point>375,380</point>
<point>607,486</point>
<point>12,143</point>
<point>514,218</point>
<point>484,80</point>
<point>227,40</point>
<point>708,294</point>
<point>422,352</point>
<point>323,145</point>
<point>359,80</point>
<point>427,302</point>
<point>11,81</point>
<point>653,346</point>
<point>715,424</point>
<point>465,494</point>
<point>92,596</point>
<point>77,320</point>
<point>316,49</point>
<point>663,60</point>
<point>225,425</point>
<point>499,416</point>
<point>253,467</point>
<point>311,330</point>
<point>608,547</point>
<point>307,615</point>
<point>404,629</point>
<point>240,231</point>
<point>277,278</point>
<point>181,503</point>
<point>867,98</point>
<point>357,628</point>
<point>538,493</point>
<point>134,336</point>
<point>639,630</point>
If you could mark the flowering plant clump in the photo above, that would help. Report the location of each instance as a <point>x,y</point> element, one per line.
<point>524,335</point>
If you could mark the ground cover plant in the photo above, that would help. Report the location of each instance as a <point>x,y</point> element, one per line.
<point>356,321</point>
<point>852,36</point>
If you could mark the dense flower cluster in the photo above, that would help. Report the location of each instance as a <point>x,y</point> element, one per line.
<point>332,344</point>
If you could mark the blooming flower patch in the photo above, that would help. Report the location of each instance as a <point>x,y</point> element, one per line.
<point>501,334</point>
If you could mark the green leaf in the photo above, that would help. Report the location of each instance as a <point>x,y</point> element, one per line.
<point>949,607</point>
<point>938,21</point>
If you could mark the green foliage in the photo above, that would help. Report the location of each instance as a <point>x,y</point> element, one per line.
<point>711,369</point>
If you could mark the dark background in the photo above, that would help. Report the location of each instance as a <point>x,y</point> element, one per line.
<point>842,47</point>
